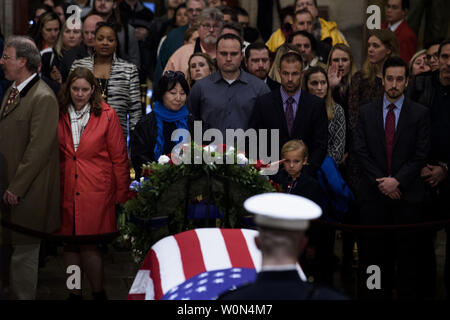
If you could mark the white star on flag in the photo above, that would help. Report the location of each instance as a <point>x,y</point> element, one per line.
<point>173,289</point>
<point>187,286</point>
<point>219,280</point>
<point>203,275</point>
<point>219,274</point>
<point>236,270</point>
<point>185,299</point>
<point>172,297</point>
<point>202,282</point>
<point>235,276</point>
<point>201,289</point>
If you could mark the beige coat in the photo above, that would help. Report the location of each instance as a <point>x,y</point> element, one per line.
<point>29,163</point>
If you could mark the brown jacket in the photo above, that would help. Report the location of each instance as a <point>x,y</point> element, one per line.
<point>29,163</point>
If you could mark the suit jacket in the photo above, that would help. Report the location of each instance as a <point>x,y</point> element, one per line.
<point>407,40</point>
<point>281,285</point>
<point>310,124</point>
<point>409,153</point>
<point>29,164</point>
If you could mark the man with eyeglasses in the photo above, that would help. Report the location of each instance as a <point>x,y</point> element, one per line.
<point>322,29</point>
<point>210,22</point>
<point>432,56</point>
<point>432,89</point>
<point>175,38</point>
<point>396,11</point>
<point>29,168</point>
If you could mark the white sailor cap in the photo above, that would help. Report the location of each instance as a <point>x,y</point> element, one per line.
<point>282,210</point>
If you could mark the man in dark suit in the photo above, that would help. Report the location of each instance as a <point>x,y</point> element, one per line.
<point>29,168</point>
<point>281,220</point>
<point>295,113</point>
<point>257,63</point>
<point>392,143</point>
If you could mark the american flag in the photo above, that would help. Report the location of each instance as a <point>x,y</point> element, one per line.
<point>175,259</point>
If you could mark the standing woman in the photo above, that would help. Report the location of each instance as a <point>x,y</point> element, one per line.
<point>152,137</point>
<point>47,31</point>
<point>315,81</point>
<point>51,60</point>
<point>94,175</point>
<point>200,65</point>
<point>118,79</point>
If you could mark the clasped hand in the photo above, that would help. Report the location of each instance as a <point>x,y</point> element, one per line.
<point>389,187</point>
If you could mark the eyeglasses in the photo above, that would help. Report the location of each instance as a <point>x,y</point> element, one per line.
<point>173,74</point>
<point>6,57</point>
<point>431,56</point>
<point>210,26</point>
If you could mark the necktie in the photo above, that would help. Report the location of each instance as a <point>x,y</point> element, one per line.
<point>290,114</point>
<point>12,96</point>
<point>389,132</point>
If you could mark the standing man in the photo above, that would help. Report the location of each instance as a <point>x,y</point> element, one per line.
<point>257,62</point>
<point>396,11</point>
<point>225,99</point>
<point>282,220</point>
<point>307,45</point>
<point>175,38</point>
<point>432,89</point>
<point>29,167</point>
<point>392,143</point>
<point>210,22</point>
<point>296,113</point>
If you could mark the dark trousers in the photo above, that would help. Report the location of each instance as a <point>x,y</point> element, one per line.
<point>395,253</point>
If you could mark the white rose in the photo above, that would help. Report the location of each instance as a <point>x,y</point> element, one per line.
<point>163,159</point>
<point>241,159</point>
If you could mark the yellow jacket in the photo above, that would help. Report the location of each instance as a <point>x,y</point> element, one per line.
<point>329,30</point>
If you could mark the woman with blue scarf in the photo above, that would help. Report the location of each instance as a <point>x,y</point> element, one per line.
<point>151,137</point>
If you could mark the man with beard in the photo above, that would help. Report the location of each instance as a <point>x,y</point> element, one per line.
<point>392,142</point>
<point>210,22</point>
<point>257,62</point>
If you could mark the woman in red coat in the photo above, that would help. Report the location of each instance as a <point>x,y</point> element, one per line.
<point>94,175</point>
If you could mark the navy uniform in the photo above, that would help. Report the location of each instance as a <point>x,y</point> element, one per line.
<point>281,212</point>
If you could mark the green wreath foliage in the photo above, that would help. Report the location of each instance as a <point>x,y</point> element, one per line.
<point>163,195</point>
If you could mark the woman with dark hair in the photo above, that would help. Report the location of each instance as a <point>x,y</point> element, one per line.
<point>179,19</point>
<point>118,79</point>
<point>126,34</point>
<point>94,175</point>
<point>47,31</point>
<point>152,135</point>
<point>315,81</point>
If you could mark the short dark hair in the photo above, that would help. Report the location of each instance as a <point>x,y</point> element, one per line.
<point>230,11</point>
<point>167,82</point>
<point>305,34</point>
<point>291,56</point>
<point>405,5</point>
<point>241,11</point>
<point>229,36</point>
<point>255,46</point>
<point>395,62</point>
<point>287,11</point>
<point>233,25</point>
<point>433,42</point>
<point>442,44</point>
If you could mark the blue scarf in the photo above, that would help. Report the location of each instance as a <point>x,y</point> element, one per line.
<point>180,118</point>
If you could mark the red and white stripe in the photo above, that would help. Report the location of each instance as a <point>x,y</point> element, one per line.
<point>174,259</point>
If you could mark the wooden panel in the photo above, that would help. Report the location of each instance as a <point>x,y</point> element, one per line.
<point>21,9</point>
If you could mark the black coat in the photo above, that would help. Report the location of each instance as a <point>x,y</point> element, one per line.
<point>143,140</point>
<point>409,153</point>
<point>310,124</point>
<point>272,84</point>
<point>281,285</point>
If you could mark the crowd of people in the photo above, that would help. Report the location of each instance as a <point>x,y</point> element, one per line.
<point>73,124</point>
